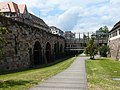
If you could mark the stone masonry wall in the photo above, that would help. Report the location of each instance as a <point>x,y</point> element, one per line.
<point>18,51</point>
<point>114,46</point>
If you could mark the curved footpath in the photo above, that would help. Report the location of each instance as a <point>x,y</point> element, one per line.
<point>73,78</point>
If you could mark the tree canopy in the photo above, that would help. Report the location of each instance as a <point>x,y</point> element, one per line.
<point>90,49</point>
<point>104,29</point>
<point>103,50</point>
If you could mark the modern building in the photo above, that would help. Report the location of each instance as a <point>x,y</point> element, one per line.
<point>100,38</point>
<point>73,44</point>
<point>114,42</point>
<point>57,31</point>
<point>69,35</point>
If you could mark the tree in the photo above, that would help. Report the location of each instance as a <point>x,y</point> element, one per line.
<point>90,49</point>
<point>85,39</point>
<point>2,40</point>
<point>104,29</point>
<point>103,50</point>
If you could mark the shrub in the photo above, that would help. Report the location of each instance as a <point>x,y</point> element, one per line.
<point>103,50</point>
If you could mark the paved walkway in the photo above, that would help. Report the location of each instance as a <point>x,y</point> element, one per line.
<point>73,78</point>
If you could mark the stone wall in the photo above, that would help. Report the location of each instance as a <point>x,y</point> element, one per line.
<point>114,46</point>
<point>21,38</point>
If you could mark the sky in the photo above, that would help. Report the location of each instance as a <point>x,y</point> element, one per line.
<point>75,15</point>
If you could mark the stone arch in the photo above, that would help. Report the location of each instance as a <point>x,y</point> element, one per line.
<point>37,54</point>
<point>48,52</point>
<point>55,48</point>
<point>58,48</point>
<point>55,51</point>
<point>61,48</point>
<point>61,51</point>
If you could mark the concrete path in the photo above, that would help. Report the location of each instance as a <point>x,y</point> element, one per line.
<point>73,78</point>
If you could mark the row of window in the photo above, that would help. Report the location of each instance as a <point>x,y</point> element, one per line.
<point>10,14</point>
<point>74,46</point>
<point>115,33</point>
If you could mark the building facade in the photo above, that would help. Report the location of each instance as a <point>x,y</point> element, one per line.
<point>21,14</point>
<point>114,42</point>
<point>57,31</point>
<point>100,38</point>
<point>9,9</point>
<point>69,35</point>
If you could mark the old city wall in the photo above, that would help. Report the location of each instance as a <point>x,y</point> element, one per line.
<point>114,46</point>
<point>20,49</point>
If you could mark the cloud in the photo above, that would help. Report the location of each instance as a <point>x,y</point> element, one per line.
<point>68,19</point>
<point>76,15</point>
<point>99,13</point>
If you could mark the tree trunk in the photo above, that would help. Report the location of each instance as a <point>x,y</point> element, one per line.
<point>92,57</point>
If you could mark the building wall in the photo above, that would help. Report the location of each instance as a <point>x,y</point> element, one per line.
<point>21,38</point>
<point>114,42</point>
<point>57,31</point>
<point>114,46</point>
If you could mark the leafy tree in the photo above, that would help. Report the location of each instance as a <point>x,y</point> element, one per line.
<point>85,39</point>
<point>91,49</point>
<point>103,50</point>
<point>104,29</point>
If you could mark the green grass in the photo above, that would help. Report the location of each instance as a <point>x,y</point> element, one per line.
<point>100,73</point>
<point>26,79</point>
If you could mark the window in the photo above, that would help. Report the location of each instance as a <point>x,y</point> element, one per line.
<point>114,34</point>
<point>68,46</point>
<point>10,14</point>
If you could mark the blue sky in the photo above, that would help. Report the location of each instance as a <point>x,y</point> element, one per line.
<point>75,15</point>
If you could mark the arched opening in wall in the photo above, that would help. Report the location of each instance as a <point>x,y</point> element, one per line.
<point>61,48</point>
<point>61,51</point>
<point>55,51</point>
<point>48,52</point>
<point>57,47</point>
<point>37,53</point>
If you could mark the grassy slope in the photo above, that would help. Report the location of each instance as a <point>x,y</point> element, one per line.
<point>100,73</point>
<point>26,79</point>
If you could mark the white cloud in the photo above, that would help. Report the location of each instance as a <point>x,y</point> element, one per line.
<point>88,18</point>
<point>77,15</point>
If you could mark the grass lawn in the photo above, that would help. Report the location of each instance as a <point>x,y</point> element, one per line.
<point>26,79</point>
<point>100,73</point>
